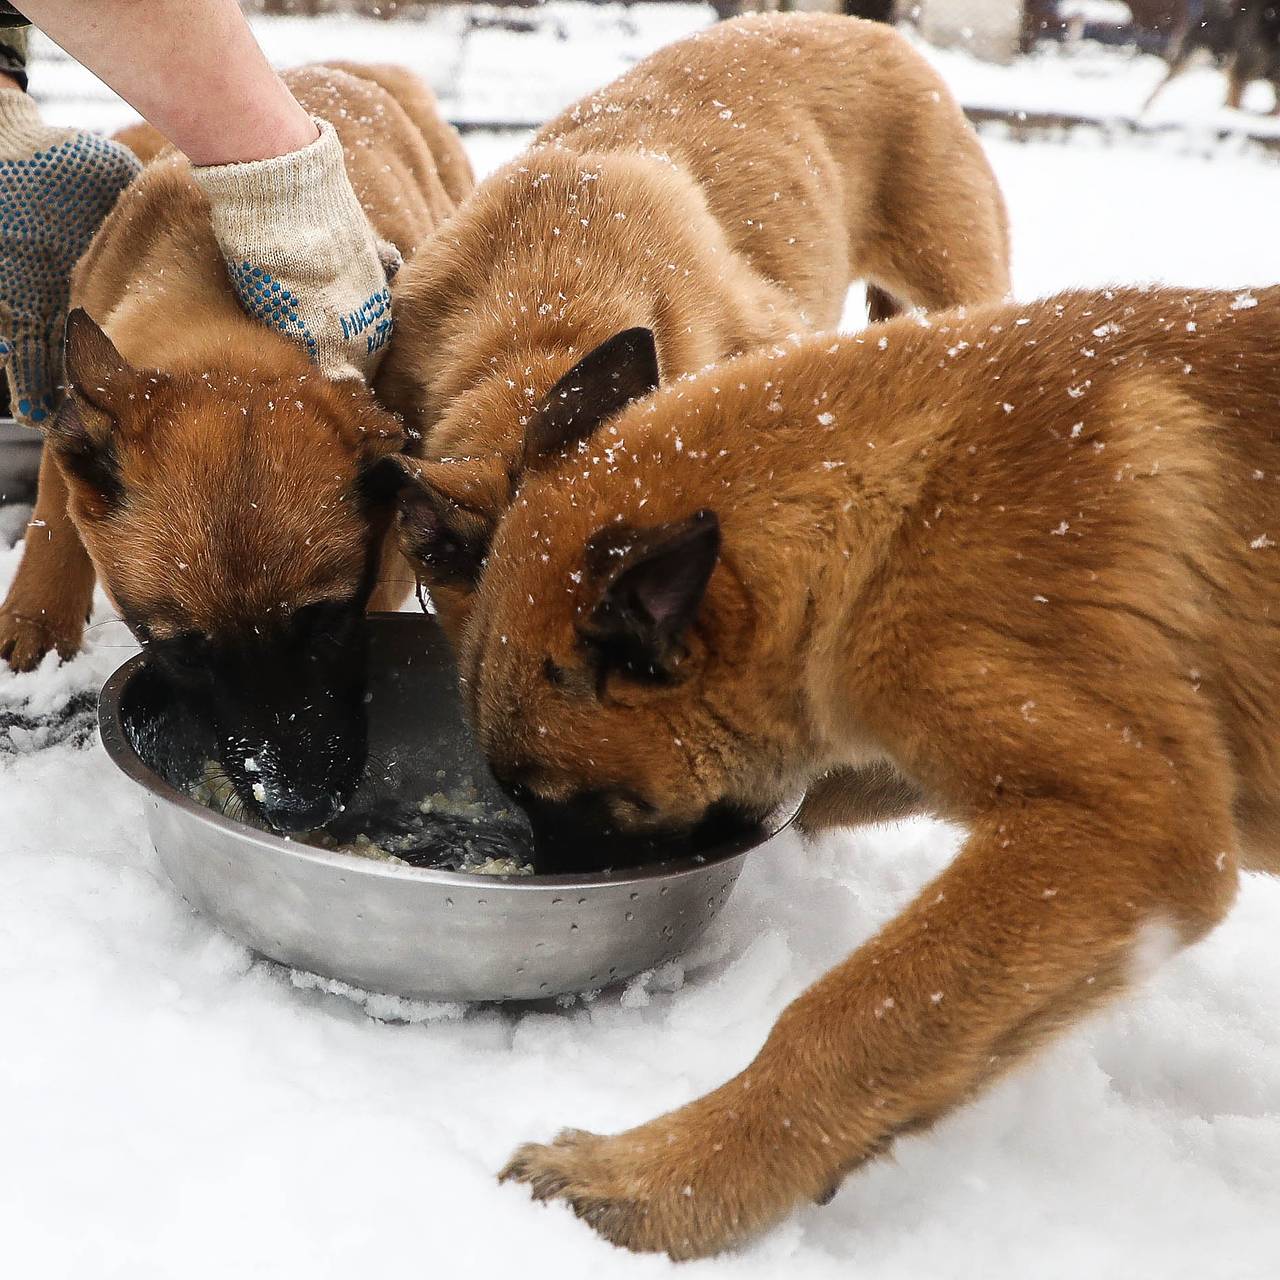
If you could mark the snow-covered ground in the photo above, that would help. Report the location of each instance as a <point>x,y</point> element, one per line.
<point>172,1107</point>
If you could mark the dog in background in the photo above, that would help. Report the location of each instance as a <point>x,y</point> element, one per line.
<point>1020,569</point>
<point>1242,37</point>
<point>724,193</point>
<point>225,493</point>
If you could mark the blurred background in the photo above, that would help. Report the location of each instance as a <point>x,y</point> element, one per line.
<point>1030,66</point>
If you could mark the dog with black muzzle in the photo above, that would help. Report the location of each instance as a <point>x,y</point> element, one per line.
<point>1017,568</point>
<point>231,499</point>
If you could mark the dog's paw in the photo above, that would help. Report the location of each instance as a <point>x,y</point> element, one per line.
<point>605,1182</point>
<point>687,1185</point>
<point>25,640</point>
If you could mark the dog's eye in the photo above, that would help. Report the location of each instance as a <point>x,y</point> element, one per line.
<point>448,541</point>
<point>451,558</point>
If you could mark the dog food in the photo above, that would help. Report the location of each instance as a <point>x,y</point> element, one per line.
<point>444,832</point>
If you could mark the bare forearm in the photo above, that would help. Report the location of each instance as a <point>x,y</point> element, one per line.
<point>190,67</point>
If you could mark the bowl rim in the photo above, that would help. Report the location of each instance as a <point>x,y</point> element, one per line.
<point>12,432</point>
<point>121,751</point>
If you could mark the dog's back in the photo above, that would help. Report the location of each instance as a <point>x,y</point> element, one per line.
<point>763,120</point>
<point>155,261</point>
<point>724,193</point>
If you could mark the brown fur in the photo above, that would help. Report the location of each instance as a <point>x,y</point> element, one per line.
<point>1025,575</point>
<point>724,192</point>
<point>143,139</point>
<point>236,458</point>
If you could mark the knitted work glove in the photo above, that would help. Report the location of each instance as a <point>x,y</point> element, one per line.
<point>56,186</point>
<point>301,254</point>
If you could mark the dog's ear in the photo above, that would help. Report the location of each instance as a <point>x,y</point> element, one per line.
<point>649,584</point>
<point>95,370</point>
<point>445,529</point>
<point>381,435</point>
<point>83,440</point>
<point>600,385</point>
<point>83,432</point>
<point>382,480</point>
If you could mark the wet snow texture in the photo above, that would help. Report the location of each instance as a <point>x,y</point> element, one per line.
<point>170,1107</point>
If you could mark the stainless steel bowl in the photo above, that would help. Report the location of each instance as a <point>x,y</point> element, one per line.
<point>19,461</point>
<point>433,935</point>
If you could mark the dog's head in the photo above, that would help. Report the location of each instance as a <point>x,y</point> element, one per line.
<point>450,509</point>
<point>608,660</point>
<point>236,523</point>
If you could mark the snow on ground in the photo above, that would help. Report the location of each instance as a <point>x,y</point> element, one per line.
<point>172,1107</point>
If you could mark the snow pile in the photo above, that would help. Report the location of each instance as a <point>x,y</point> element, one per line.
<point>171,1106</point>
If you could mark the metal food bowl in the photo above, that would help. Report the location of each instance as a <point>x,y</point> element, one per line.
<point>19,461</point>
<point>427,934</point>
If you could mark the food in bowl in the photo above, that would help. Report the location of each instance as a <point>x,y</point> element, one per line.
<point>446,831</point>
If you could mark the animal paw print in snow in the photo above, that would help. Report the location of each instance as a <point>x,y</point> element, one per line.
<point>52,201</point>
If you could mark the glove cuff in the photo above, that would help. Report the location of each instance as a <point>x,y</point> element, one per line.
<point>21,129</point>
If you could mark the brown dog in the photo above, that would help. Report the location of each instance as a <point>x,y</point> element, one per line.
<point>1020,568</point>
<point>723,193</point>
<point>224,492</point>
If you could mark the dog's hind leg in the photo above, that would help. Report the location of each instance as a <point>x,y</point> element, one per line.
<point>52,592</point>
<point>857,797</point>
<point>1237,82</point>
<point>939,234</point>
<point>1169,74</point>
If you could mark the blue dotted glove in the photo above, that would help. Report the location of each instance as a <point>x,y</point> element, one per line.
<point>56,186</point>
<point>301,254</point>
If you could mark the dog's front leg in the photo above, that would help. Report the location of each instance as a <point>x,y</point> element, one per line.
<point>855,797</point>
<point>52,592</point>
<point>1041,914</point>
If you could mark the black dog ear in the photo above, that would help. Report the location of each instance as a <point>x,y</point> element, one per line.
<point>600,385</point>
<point>94,369</point>
<point>443,536</point>
<point>83,434</point>
<point>382,480</point>
<point>651,583</point>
